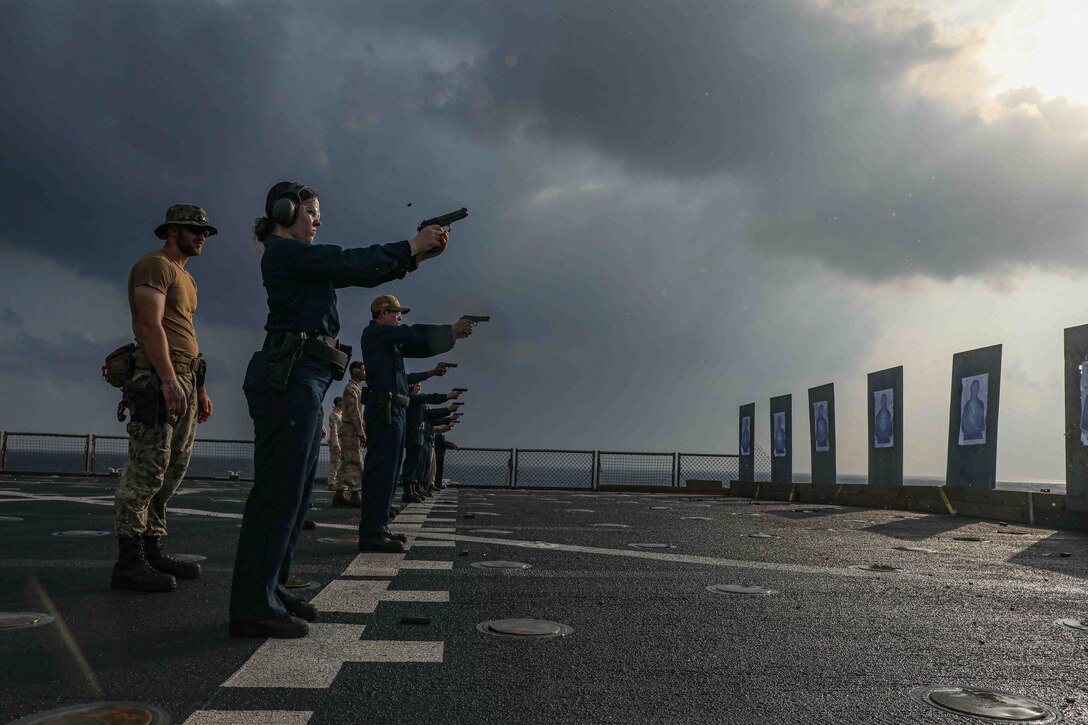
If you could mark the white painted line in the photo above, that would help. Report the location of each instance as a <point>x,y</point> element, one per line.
<point>249,717</point>
<point>314,661</point>
<point>438,530</point>
<point>362,596</point>
<point>390,565</point>
<point>444,544</point>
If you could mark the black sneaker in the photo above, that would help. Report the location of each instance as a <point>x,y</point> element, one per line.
<point>380,544</point>
<point>285,627</point>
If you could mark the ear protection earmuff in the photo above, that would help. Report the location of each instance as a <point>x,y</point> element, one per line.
<point>284,210</point>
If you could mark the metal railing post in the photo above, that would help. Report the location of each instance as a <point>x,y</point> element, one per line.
<point>4,451</point>
<point>91,449</point>
<point>87,454</point>
<point>675,469</point>
<point>512,465</point>
<point>595,474</point>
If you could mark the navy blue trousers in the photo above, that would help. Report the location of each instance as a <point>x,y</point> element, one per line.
<point>384,457</point>
<point>286,444</point>
<point>439,464</point>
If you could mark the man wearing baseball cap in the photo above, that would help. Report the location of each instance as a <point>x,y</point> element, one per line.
<point>167,398</point>
<point>385,343</point>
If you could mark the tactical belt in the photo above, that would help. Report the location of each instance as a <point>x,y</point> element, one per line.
<point>322,347</point>
<point>182,364</point>
<point>375,397</point>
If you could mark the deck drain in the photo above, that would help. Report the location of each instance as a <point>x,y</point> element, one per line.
<point>917,549</point>
<point>696,518</point>
<point>987,702</point>
<point>611,526</point>
<point>126,713</point>
<point>969,538</point>
<point>500,564</point>
<point>877,568</point>
<point>741,589</point>
<point>525,628</point>
<point>23,620</point>
<point>10,518</point>
<point>651,546</point>
<point>491,531</point>
<point>761,535</point>
<point>81,533</point>
<point>1076,624</point>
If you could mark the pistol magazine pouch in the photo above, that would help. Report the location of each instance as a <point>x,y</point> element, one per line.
<point>144,396</point>
<point>120,365</point>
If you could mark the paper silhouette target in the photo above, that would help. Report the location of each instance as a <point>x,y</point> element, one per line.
<point>883,418</point>
<point>823,430</point>
<point>780,436</point>
<point>1084,403</point>
<point>746,436</point>
<point>973,398</point>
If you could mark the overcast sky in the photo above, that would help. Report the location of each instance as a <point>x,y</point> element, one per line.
<point>675,208</point>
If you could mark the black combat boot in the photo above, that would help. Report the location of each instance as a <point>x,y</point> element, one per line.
<point>161,561</point>
<point>133,572</point>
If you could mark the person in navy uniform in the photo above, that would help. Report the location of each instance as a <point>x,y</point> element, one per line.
<point>441,445</point>
<point>414,469</point>
<point>385,343</point>
<point>427,467</point>
<point>284,386</point>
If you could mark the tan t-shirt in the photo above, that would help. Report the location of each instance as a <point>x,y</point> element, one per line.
<point>157,271</point>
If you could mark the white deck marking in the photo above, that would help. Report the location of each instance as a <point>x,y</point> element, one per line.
<point>249,717</point>
<point>314,661</point>
<point>362,596</point>
<point>390,565</point>
<point>444,544</point>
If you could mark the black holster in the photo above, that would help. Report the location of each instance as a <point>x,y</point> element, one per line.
<point>284,350</point>
<point>144,396</point>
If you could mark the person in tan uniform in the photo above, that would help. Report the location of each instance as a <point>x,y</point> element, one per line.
<point>352,441</point>
<point>167,398</point>
<point>335,418</point>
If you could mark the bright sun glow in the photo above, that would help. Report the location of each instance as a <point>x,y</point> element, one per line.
<point>1043,43</point>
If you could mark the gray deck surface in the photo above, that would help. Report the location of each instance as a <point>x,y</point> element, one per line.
<point>651,644</point>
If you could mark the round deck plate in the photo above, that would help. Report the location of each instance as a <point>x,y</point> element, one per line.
<point>969,538</point>
<point>525,628</point>
<point>611,526</point>
<point>11,518</point>
<point>501,564</point>
<point>987,703</point>
<point>581,511</point>
<point>116,713</point>
<point>696,518</point>
<point>651,546</point>
<point>23,620</point>
<point>660,508</point>
<point>877,568</point>
<point>191,558</point>
<point>1076,624</point>
<point>761,535</point>
<point>491,531</point>
<point>753,591</point>
<point>916,549</point>
<point>81,534</point>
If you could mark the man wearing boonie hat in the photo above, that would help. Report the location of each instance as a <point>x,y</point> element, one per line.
<point>167,399</point>
<point>385,343</point>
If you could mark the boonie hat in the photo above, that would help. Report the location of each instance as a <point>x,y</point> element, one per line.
<point>188,215</point>
<point>388,302</point>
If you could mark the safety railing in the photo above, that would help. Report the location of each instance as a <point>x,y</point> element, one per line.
<point>636,469</point>
<point>95,455</point>
<point>543,468</point>
<point>713,467</point>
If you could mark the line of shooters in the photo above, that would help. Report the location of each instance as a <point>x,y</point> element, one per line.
<point>425,442</point>
<point>163,378</point>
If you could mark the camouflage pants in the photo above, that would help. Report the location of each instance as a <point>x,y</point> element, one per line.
<point>430,469</point>
<point>158,457</point>
<point>332,478</point>
<point>350,476</point>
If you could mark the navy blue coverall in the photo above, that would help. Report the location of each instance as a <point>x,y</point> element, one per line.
<point>440,446</point>
<point>384,349</point>
<point>415,435</point>
<point>301,280</point>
